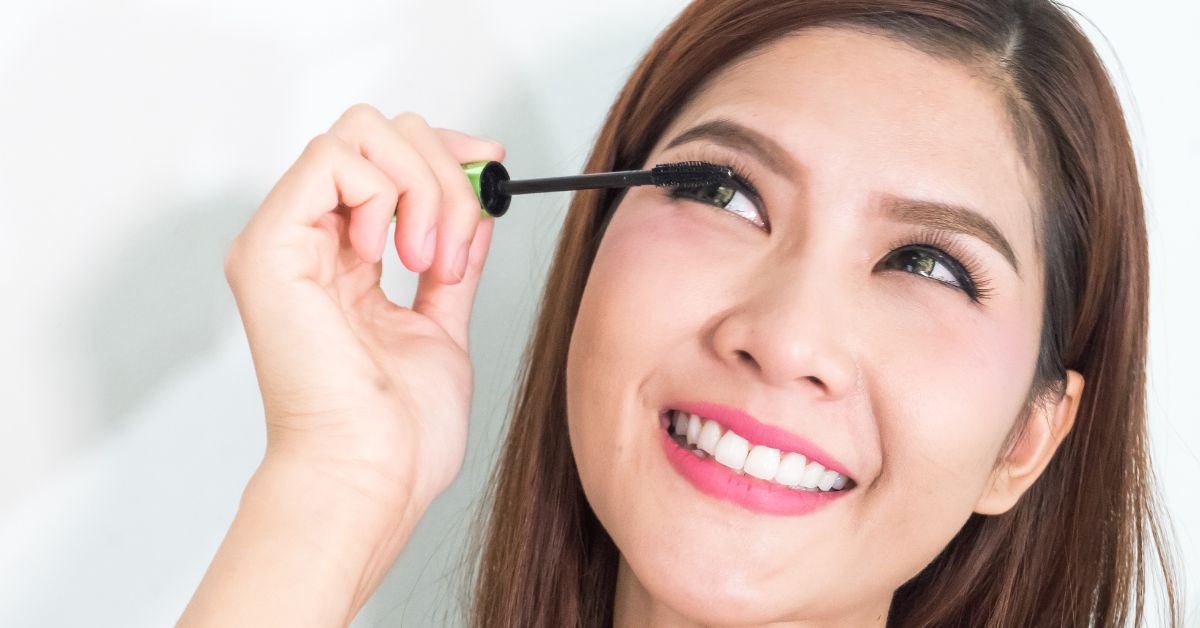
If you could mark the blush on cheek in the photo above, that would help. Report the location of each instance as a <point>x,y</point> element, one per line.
<point>651,243</point>
<point>996,364</point>
<point>954,386</point>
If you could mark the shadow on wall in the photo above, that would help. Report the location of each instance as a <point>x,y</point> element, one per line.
<point>158,305</point>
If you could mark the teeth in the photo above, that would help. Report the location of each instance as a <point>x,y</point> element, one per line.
<point>812,475</point>
<point>791,470</point>
<point>710,433</point>
<point>765,463</point>
<point>732,450</point>
<point>693,430</point>
<point>827,480</point>
<point>762,462</point>
<point>681,424</point>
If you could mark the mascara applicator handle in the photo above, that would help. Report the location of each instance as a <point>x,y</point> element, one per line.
<point>485,178</point>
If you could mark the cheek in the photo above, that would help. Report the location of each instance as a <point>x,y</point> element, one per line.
<point>661,272</point>
<point>946,385</point>
<point>635,309</point>
<point>956,380</point>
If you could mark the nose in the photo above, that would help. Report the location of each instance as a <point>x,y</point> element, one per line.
<point>791,331</point>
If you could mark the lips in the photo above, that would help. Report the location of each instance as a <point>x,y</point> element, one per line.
<point>763,485</point>
<point>758,433</point>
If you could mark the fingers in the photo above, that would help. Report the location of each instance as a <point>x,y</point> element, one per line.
<point>328,173</point>
<point>467,148</point>
<point>450,304</point>
<point>377,168</point>
<point>434,226</point>
<point>460,211</point>
<point>420,188</point>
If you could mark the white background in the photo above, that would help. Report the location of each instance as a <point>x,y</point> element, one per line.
<point>136,139</point>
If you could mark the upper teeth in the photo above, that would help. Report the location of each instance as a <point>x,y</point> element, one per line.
<point>766,463</point>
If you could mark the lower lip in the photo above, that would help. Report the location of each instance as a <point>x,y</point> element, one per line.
<point>719,481</point>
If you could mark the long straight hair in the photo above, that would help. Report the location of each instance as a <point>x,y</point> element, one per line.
<point>1077,547</point>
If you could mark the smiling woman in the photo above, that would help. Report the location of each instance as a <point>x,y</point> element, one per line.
<point>891,373</point>
<point>934,239</point>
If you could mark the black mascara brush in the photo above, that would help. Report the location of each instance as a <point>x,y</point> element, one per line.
<point>494,188</point>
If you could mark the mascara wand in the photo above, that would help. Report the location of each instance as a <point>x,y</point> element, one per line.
<point>495,189</point>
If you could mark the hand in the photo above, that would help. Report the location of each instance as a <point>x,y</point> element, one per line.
<point>369,393</point>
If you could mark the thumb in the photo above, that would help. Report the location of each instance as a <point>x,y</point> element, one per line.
<point>449,305</point>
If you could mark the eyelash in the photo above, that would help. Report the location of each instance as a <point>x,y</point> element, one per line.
<point>743,181</point>
<point>964,266</point>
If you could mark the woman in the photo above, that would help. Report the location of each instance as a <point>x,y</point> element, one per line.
<point>894,376</point>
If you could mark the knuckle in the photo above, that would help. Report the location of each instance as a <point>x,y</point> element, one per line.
<point>355,121</point>
<point>410,120</point>
<point>361,111</point>
<point>323,145</point>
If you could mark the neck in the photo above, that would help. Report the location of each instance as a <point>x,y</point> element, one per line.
<point>635,606</point>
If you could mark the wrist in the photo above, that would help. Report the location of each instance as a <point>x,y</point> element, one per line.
<point>338,521</point>
<point>366,481</point>
<point>306,548</point>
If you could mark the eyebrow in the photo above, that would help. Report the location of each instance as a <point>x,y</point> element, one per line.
<point>930,214</point>
<point>949,217</point>
<point>729,133</point>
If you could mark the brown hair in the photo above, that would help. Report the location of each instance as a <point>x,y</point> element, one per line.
<point>1075,549</point>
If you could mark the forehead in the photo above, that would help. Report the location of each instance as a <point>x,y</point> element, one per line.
<point>849,105</point>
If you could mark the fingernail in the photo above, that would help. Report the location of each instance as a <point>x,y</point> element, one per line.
<point>460,262</point>
<point>429,246</point>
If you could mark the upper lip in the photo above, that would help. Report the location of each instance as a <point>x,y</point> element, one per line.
<point>759,433</point>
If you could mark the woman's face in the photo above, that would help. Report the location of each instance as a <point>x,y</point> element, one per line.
<point>839,331</point>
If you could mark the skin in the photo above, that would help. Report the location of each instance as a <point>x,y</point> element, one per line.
<point>904,380</point>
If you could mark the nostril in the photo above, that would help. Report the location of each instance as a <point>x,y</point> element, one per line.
<point>746,358</point>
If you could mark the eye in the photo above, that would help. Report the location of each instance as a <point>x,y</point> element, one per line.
<point>934,263</point>
<point>733,196</point>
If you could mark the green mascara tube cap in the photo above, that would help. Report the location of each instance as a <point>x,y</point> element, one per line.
<point>485,178</point>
